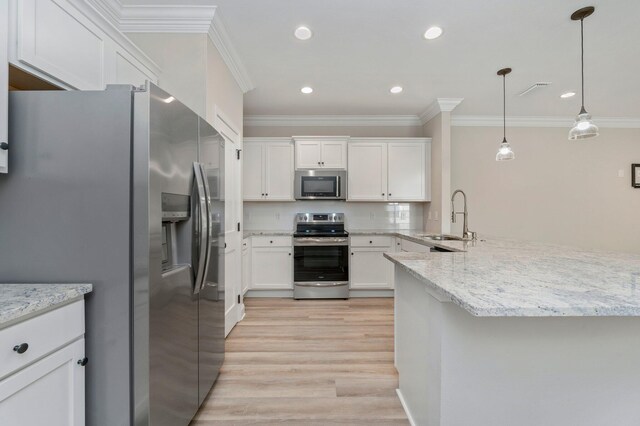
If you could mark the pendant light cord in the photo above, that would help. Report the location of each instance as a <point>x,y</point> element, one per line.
<point>504,108</point>
<point>582,60</point>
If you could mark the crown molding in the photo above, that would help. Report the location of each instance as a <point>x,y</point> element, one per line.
<point>331,120</point>
<point>178,19</point>
<point>497,121</point>
<point>438,106</point>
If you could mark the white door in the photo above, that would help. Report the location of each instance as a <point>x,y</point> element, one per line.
<point>308,155</point>
<point>367,175</point>
<point>246,265</point>
<point>369,269</point>
<point>406,180</point>
<point>49,392</point>
<point>272,268</point>
<point>334,155</point>
<point>4,85</point>
<point>279,171</point>
<point>234,308</point>
<point>253,172</point>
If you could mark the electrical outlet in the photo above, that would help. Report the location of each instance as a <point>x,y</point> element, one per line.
<point>372,216</point>
<point>429,215</point>
<point>277,216</point>
<point>435,214</point>
<point>621,173</point>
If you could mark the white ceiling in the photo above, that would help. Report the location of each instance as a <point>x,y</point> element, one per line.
<point>361,48</point>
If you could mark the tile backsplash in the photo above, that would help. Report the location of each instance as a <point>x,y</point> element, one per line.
<point>358,216</point>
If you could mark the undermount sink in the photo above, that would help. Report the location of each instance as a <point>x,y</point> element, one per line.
<point>443,237</point>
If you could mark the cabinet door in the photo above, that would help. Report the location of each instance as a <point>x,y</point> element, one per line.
<point>62,43</point>
<point>406,168</point>
<point>279,172</point>
<point>308,155</point>
<point>272,268</point>
<point>49,392</point>
<point>367,175</point>
<point>253,172</point>
<point>369,269</point>
<point>334,155</point>
<point>4,84</point>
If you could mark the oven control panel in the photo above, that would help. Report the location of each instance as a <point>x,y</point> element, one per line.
<point>320,218</point>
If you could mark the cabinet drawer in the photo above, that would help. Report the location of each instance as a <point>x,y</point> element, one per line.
<point>407,245</point>
<point>371,241</point>
<point>44,334</point>
<point>274,241</point>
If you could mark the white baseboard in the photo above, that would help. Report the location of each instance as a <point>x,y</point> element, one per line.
<point>371,293</point>
<point>406,409</point>
<point>269,293</point>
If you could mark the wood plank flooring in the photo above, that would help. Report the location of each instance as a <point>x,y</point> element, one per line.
<point>308,362</point>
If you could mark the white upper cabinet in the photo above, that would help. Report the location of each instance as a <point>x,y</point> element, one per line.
<point>406,171</point>
<point>367,172</point>
<point>69,44</point>
<point>321,152</point>
<point>382,169</point>
<point>4,87</point>
<point>268,169</point>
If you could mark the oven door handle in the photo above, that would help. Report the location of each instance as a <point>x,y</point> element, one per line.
<point>321,284</point>
<point>310,241</point>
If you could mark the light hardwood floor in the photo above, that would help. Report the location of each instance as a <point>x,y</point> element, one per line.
<point>307,362</point>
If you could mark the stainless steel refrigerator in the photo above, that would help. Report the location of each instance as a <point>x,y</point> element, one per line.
<point>122,189</point>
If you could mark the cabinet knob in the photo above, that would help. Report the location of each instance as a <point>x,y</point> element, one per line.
<point>383,194</point>
<point>323,163</point>
<point>266,195</point>
<point>82,362</point>
<point>319,163</point>
<point>21,348</point>
<point>4,146</point>
<point>271,242</point>
<point>351,253</point>
<point>389,194</point>
<point>289,254</point>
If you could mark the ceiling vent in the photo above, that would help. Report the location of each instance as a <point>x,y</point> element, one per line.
<point>535,86</point>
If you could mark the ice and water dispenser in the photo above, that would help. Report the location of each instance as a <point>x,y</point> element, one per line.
<point>176,230</point>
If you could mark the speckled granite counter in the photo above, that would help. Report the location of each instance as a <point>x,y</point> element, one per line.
<point>247,234</point>
<point>26,300</point>
<point>515,278</point>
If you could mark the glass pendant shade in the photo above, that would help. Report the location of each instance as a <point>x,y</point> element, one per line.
<point>583,128</point>
<point>504,152</point>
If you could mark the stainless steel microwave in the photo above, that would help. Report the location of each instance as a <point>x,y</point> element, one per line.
<point>320,185</point>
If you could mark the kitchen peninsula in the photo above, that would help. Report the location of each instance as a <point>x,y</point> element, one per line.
<point>506,332</point>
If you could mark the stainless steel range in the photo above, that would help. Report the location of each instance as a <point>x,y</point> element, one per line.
<point>321,257</point>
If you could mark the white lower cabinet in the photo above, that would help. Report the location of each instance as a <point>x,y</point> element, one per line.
<point>369,269</point>
<point>271,263</point>
<point>42,370</point>
<point>48,392</point>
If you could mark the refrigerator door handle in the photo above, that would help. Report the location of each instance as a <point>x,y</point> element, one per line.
<point>209,223</point>
<point>203,230</point>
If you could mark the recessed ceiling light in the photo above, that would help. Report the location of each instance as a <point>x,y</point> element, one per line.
<point>568,95</point>
<point>396,89</point>
<point>433,32</point>
<point>306,90</point>
<point>303,33</point>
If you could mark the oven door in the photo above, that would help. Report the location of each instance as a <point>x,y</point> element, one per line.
<point>321,261</point>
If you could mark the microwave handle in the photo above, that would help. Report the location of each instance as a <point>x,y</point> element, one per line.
<point>338,186</point>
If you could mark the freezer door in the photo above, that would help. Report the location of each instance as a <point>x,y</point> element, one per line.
<point>211,308</point>
<point>172,304</point>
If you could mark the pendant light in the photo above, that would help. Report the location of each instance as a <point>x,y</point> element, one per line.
<point>504,152</point>
<point>583,128</point>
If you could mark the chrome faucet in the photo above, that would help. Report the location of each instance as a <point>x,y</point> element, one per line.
<point>465,227</point>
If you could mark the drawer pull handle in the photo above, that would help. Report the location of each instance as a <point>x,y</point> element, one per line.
<point>21,348</point>
<point>82,362</point>
<point>370,242</point>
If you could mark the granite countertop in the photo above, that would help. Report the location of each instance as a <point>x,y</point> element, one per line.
<point>21,301</point>
<point>500,277</point>
<point>247,234</point>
